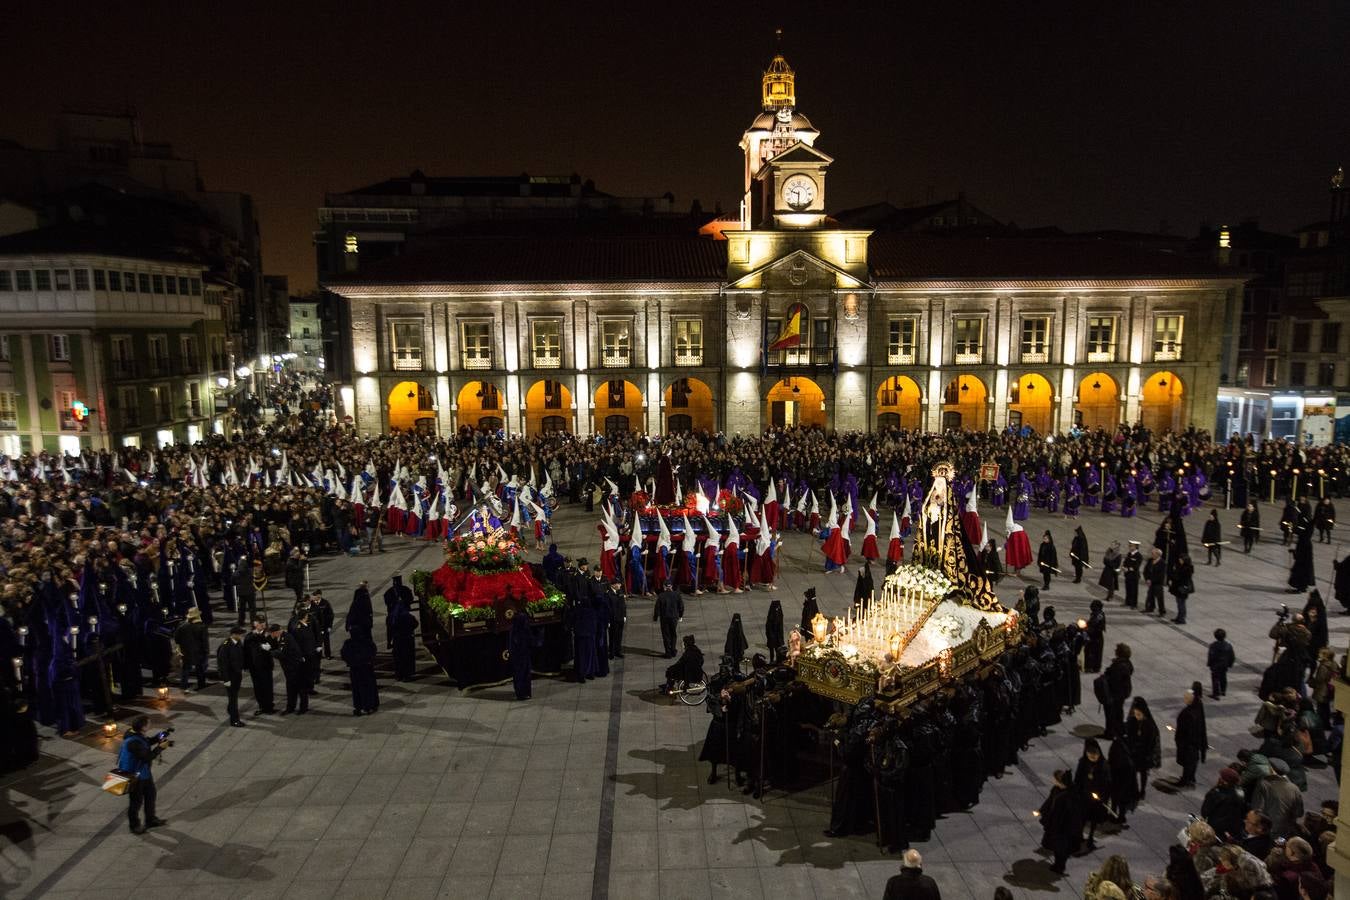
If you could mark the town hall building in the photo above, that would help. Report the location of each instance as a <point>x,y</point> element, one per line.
<point>543,304</point>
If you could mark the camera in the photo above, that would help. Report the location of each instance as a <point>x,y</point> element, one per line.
<point>163,737</point>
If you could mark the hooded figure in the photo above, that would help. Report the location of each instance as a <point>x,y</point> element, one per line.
<point>361,615</point>
<point>1017,547</point>
<point>1092,781</point>
<point>1061,818</point>
<point>736,644</point>
<point>520,647</point>
<point>862,591</point>
<point>773,631</point>
<point>810,609</point>
<point>358,652</point>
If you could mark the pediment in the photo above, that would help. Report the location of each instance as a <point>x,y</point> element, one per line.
<point>801,153</point>
<point>799,265</point>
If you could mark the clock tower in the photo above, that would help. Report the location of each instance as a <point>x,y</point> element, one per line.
<point>784,184</point>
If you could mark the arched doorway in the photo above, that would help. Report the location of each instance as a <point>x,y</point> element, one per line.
<point>1160,404</point>
<point>795,401</point>
<point>898,403</point>
<point>1098,403</point>
<point>689,406</point>
<point>618,407</point>
<point>412,408</point>
<point>548,408</point>
<point>480,406</point>
<point>1031,403</point>
<point>963,404</point>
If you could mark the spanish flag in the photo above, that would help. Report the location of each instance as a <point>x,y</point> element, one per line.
<point>791,333</point>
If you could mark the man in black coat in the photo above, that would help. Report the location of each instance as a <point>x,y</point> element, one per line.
<point>295,669</point>
<point>295,572</point>
<point>246,595</point>
<point>669,611</point>
<point>618,615</point>
<point>322,616</point>
<point>1078,553</point>
<point>1119,683</point>
<point>193,643</point>
<point>230,665</point>
<point>911,883</point>
<point>1155,573</point>
<point>1133,562</point>
<point>259,656</point>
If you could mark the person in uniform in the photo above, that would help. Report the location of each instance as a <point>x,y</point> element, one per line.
<point>230,667</point>
<point>259,656</point>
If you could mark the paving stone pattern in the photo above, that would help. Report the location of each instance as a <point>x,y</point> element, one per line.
<point>592,790</point>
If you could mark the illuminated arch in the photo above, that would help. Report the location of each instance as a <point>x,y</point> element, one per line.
<point>618,407</point>
<point>1160,403</point>
<point>548,408</point>
<point>479,401</point>
<point>689,406</point>
<point>964,404</point>
<point>1031,403</point>
<point>1098,403</point>
<point>899,403</point>
<point>795,401</point>
<point>411,407</point>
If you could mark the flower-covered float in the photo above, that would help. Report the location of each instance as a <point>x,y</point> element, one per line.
<point>483,583</point>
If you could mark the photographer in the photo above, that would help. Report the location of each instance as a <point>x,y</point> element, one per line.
<point>135,757</point>
<point>1292,640</point>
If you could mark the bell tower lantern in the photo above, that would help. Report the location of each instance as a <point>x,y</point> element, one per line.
<point>777,127</point>
<point>780,88</point>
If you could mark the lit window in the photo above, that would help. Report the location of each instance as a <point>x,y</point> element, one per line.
<point>9,411</point>
<point>1167,338</point>
<point>546,343</point>
<point>688,342</point>
<point>900,340</point>
<point>405,344</point>
<point>616,346</point>
<point>1035,339</point>
<point>1101,339</point>
<point>476,341</point>
<point>59,347</point>
<point>968,340</point>
<point>349,243</point>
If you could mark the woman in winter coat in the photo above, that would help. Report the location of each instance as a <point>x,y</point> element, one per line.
<point>1192,738</point>
<point>1144,742</point>
<point>1110,577</point>
<point>1181,584</point>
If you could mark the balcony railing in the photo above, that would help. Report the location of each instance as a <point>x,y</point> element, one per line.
<point>407,362</point>
<point>547,360</point>
<point>68,422</point>
<point>1104,355</point>
<point>9,424</point>
<point>900,356</point>
<point>968,357</point>
<point>1167,352</point>
<point>1035,356</point>
<point>800,356</point>
<point>477,361</point>
<point>616,359</point>
<point>689,357</point>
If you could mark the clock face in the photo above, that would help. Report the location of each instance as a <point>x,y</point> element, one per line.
<point>799,191</point>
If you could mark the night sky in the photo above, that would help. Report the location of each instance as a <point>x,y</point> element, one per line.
<point>1080,115</point>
